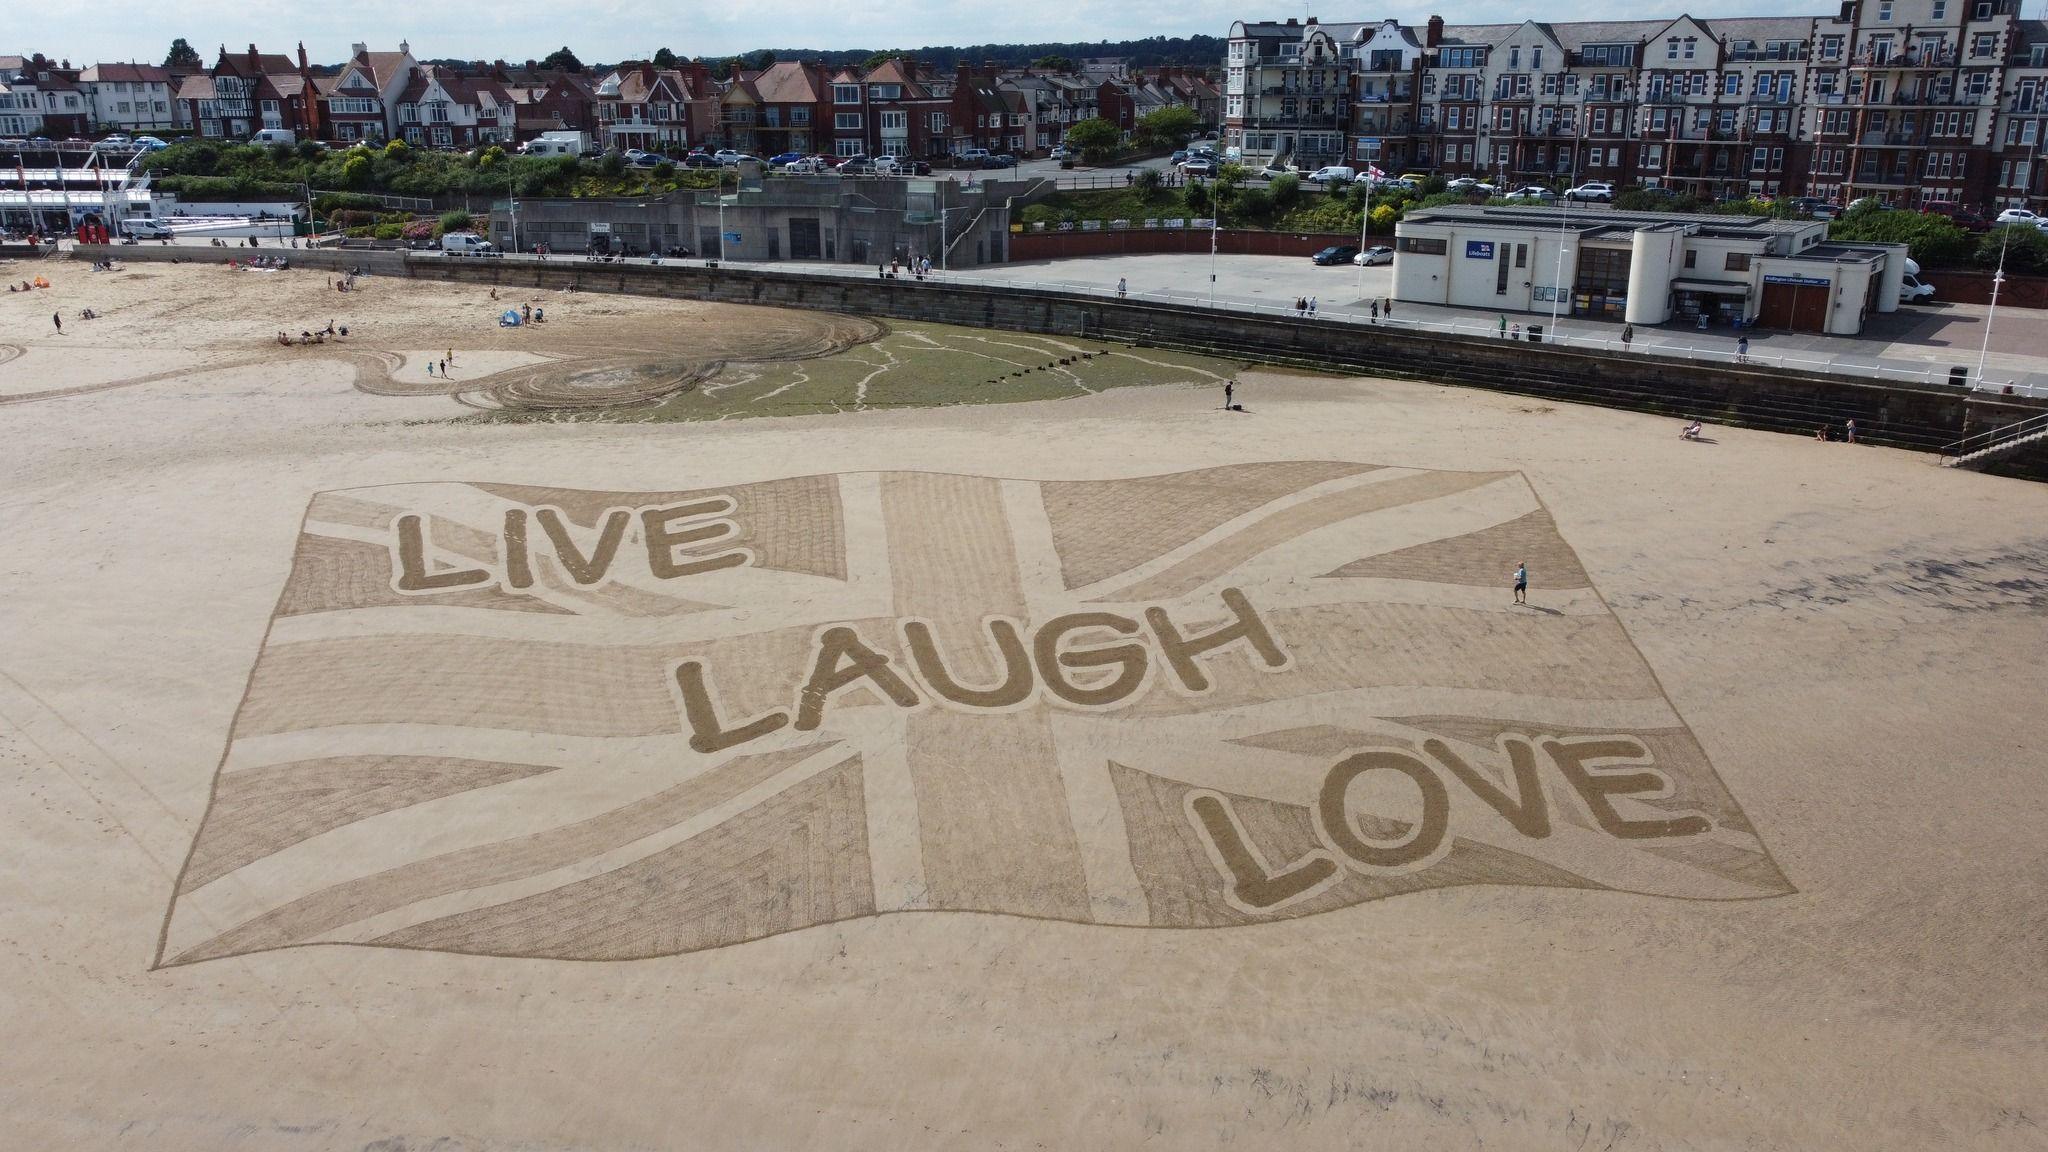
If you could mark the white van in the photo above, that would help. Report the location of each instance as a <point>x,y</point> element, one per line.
<point>466,244</point>
<point>1334,174</point>
<point>1912,291</point>
<point>274,136</point>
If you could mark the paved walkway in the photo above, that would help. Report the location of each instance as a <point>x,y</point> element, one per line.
<point>1919,343</point>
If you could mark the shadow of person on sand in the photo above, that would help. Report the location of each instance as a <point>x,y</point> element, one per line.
<point>1540,608</point>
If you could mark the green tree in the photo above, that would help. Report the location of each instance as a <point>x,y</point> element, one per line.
<point>1169,126</point>
<point>665,170</point>
<point>1931,240</point>
<point>562,60</point>
<point>397,152</point>
<point>1197,198</point>
<point>759,60</point>
<point>1096,138</point>
<point>664,58</point>
<point>490,157</point>
<point>457,221</point>
<point>183,56</point>
<point>356,170</point>
<point>1285,191</point>
<point>877,59</point>
<point>2023,247</point>
<point>1147,181</point>
<point>1055,64</point>
<point>1383,219</point>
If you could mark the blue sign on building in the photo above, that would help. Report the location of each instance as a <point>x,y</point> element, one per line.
<point>1478,249</point>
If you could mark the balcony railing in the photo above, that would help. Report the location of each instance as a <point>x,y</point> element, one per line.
<point>1912,58</point>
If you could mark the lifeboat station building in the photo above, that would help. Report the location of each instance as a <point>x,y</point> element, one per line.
<point>1644,267</point>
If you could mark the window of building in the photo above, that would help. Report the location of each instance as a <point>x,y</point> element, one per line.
<point>846,121</point>
<point>1736,262</point>
<point>1940,9</point>
<point>1422,245</point>
<point>1603,271</point>
<point>885,91</point>
<point>1884,11</point>
<point>846,147</point>
<point>895,120</point>
<point>800,117</point>
<point>1983,44</point>
<point>1692,258</point>
<point>846,93</point>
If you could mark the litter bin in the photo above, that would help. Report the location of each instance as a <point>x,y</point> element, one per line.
<point>1959,376</point>
<point>1535,333</point>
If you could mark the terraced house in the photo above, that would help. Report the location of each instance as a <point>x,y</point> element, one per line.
<point>1907,101</point>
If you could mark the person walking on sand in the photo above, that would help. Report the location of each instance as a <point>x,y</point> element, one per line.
<point>1229,394</point>
<point>430,367</point>
<point>1521,583</point>
<point>57,318</point>
<point>444,369</point>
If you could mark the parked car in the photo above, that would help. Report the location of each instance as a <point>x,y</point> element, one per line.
<point>1377,254</point>
<point>1469,185</point>
<point>1814,207</point>
<point>1532,194</point>
<point>150,143</point>
<point>1177,159</point>
<point>1334,174</point>
<point>118,142</point>
<point>890,166</point>
<point>144,228</point>
<point>1912,291</point>
<point>1598,191</point>
<point>699,160</point>
<point>1276,168</point>
<point>1335,254</point>
<point>1001,160</point>
<point>466,244</point>
<point>726,156</point>
<point>973,157</point>
<point>1059,152</point>
<point>784,159</point>
<point>1862,202</point>
<point>2020,216</point>
<point>1965,219</point>
<point>809,166</point>
<point>1198,167</point>
<point>858,166</point>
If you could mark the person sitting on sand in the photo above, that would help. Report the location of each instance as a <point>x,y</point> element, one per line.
<point>344,330</point>
<point>330,326</point>
<point>539,314</point>
<point>1692,431</point>
<point>284,338</point>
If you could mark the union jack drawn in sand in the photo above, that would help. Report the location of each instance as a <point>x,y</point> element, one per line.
<point>608,725</point>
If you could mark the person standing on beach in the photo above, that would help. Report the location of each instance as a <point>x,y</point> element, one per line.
<point>57,318</point>
<point>1849,432</point>
<point>1229,391</point>
<point>1521,583</point>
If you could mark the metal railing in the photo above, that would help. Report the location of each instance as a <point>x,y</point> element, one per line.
<point>1997,437</point>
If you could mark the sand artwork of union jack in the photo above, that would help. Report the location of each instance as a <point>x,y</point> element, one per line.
<point>542,722</point>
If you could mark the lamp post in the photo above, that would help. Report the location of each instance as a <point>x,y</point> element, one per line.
<point>1564,217</point>
<point>1998,277</point>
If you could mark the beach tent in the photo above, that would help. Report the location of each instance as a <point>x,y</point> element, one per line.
<point>510,319</point>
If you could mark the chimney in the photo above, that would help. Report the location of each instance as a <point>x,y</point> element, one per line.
<point>254,68</point>
<point>1435,35</point>
<point>405,48</point>
<point>359,50</point>
<point>302,58</point>
<point>1293,23</point>
<point>1311,21</point>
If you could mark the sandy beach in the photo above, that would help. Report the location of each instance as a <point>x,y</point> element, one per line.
<point>355,793</point>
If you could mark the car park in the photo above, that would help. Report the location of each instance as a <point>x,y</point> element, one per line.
<point>1532,194</point>
<point>1377,254</point>
<point>1335,254</point>
<point>1597,191</point>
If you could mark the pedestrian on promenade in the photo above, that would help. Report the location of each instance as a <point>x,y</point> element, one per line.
<point>1503,325</point>
<point>1628,336</point>
<point>1521,583</point>
<point>1122,287</point>
<point>1311,306</point>
<point>1375,311</point>
<point>1387,307</point>
<point>1742,350</point>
